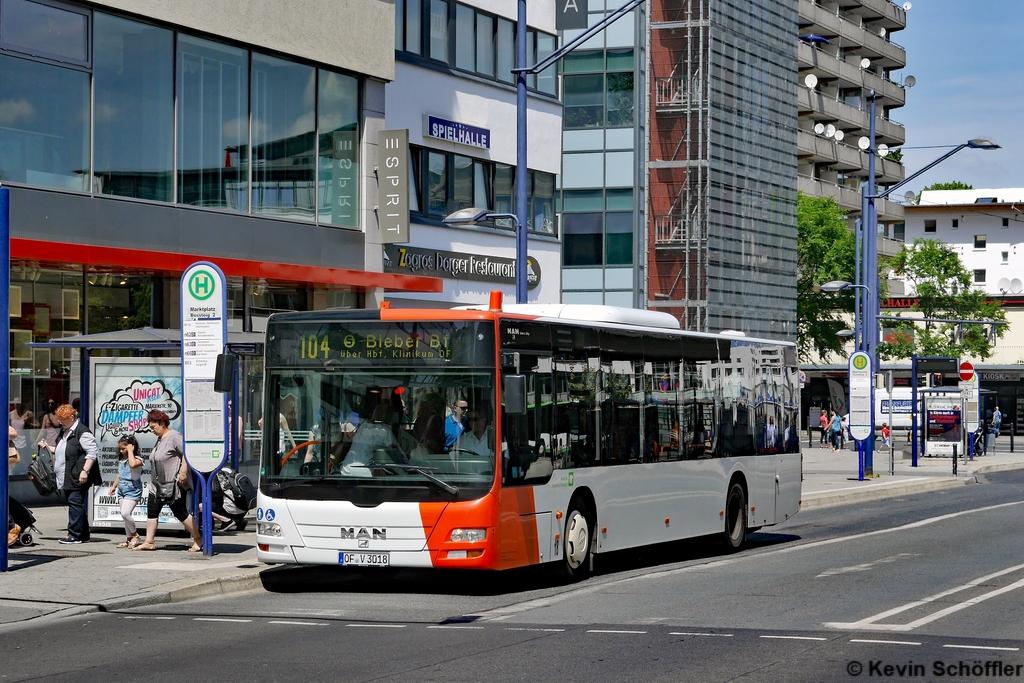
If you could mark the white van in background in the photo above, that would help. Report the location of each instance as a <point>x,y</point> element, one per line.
<point>901,402</point>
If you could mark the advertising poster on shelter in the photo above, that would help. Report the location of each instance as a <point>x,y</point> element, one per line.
<point>943,415</point>
<point>123,391</point>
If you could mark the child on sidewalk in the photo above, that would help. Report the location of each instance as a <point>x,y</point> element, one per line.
<point>885,434</point>
<point>128,485</point>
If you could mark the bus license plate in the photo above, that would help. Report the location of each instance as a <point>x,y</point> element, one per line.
<point>365,559</point>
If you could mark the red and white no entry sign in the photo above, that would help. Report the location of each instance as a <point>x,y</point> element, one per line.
<point>966,371</point>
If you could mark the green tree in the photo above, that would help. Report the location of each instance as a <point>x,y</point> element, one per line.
<point>951,185</point>
<point>943,290</point>
<point>825,251</point>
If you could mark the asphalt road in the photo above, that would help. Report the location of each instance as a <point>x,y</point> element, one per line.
<point>926,583</point>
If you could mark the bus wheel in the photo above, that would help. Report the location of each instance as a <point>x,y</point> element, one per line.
<point>735,518</point>
<point>576,556</point>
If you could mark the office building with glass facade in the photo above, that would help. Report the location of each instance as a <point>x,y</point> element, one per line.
<point>602,182</point>
<point>454,92</point>
<point>686,201</point>
<point>139,137</point>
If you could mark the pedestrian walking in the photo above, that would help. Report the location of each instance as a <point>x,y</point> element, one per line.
<point>128,486</point>
<point>76,468</point>
<point>997,422</point>
<point>835,427</point>
<point>170,484</point>
<point>885,433</point>
<point>823,423</point>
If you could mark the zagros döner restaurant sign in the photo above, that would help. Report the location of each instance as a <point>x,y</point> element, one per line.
<point>450,264</point>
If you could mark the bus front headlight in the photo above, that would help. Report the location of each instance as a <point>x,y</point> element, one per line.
<point>266,529</point>
<point>468,535</point>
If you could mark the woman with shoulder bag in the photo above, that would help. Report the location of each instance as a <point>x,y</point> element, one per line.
<point>170,482</point>
<point>76,468</point>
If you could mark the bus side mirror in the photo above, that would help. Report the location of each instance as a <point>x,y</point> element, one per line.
<point>515,394</point>
<point>225,375</point>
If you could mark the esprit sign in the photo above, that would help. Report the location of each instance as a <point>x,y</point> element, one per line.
<point>453,131</point>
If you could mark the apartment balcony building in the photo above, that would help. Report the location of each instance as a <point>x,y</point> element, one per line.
<point>847,45</point>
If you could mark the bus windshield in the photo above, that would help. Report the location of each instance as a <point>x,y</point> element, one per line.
<point>380,431</point>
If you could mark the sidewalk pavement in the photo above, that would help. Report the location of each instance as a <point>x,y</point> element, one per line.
<point>50,580</point>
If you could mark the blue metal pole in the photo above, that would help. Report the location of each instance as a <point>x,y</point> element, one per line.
<point>5,341</point>
<point>870,317</point>
<point>913,410</point>
<point>234,438</point>
<point>858,294</point>
<point>861,447</point>
<point>521,175</point>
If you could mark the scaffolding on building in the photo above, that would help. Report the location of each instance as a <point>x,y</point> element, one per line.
<point>678,52</point>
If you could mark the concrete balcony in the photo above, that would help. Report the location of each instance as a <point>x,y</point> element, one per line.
<point>885,13</point>
<point>849,198</point>
<point>827,66</point>
<point>829,25</point>
<point>844,157</point>
<point>854,121</point>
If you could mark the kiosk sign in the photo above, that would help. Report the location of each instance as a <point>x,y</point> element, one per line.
<point>860,396</point>
<point>203,335</point>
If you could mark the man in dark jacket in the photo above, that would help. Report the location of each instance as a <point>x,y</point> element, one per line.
<point>76,468</point>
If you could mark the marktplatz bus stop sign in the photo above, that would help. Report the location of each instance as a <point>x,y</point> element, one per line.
<point>860,396</point>
<point>203,334</point>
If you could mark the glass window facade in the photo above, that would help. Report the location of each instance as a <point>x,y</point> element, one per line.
<point>338,125</point>
<point>483,44</point>
<point>42,30</point>
<point>283,135</point>
<point>213,125</point>
<point>134,104</point>
<point>454,182</point>
<point>175,118</point>
<point>44,124</point>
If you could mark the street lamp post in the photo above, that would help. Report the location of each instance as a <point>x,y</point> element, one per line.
<point>869,310</point>
<point>5,338</point>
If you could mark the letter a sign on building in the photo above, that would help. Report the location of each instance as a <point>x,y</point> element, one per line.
<point>204,331</point>
<point>570,14</point>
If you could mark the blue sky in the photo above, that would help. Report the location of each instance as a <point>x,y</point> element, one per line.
<point>968,59</point>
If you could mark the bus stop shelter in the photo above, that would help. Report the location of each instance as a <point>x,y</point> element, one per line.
<point>150,340</point>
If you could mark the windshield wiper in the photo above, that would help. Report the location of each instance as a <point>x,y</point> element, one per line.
<point>425,471</point>
<point>281,486</point>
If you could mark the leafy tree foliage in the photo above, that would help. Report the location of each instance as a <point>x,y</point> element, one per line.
<point>951,185</point>
<point>825,252</point>
<point>944,290</point>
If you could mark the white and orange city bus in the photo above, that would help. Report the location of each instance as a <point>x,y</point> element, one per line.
<point>490,439</point>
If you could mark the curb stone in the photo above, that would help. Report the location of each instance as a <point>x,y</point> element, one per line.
<point>827,499</point>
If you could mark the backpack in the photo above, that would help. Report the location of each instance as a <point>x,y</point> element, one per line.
<point>40,473</point>
<point>239,495</point>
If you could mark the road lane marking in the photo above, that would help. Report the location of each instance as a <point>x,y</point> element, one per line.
<point>884,642</point>
<point>866,566</point>
<point>500,613</point>
<point>545,630</point>
<point>984,647</point>
<point>235,621</point>
<point>475,628</point>
<point>376,625</point>
<point>793,637</point>
<point>297,623</point>
<point>689,633</point>
<point>598,630</point>
<point>147,617</point>
<point>871,624</point>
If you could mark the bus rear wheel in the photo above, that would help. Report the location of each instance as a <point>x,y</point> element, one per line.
<point>735,518</point>
<point>576,555</point>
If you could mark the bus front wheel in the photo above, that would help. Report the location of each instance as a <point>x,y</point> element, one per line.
<point>576,556</point>
<point>735,517</point>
